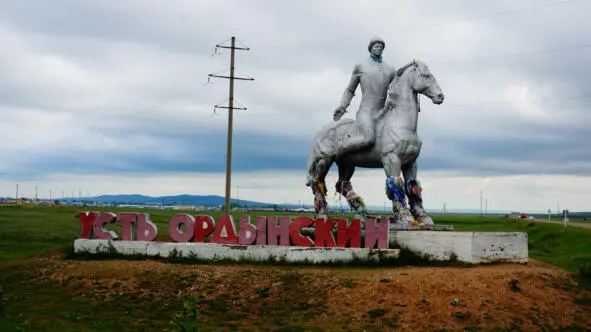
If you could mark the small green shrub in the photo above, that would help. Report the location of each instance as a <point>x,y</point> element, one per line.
<point>186,320</point>
<point>514,284</point>
<point>377,312</point>
<point>262,292</point>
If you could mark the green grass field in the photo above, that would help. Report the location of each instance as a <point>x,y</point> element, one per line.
<point>31,230</point>
<point>29,301</point>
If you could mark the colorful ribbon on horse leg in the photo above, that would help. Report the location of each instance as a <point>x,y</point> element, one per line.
<point>355,201</point>
<point>414,190</point>
<point>415,198</point>
<point>319,190</point>
<point>395,192</point>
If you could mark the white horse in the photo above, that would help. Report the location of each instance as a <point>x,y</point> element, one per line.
<point>396,148</point>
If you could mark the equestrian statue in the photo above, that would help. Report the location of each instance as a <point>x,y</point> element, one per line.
<point>383,135</point>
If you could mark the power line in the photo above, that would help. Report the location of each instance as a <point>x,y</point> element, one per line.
<point>514,101</point>
<point>511,11</point>
<point>437,24</point>
<point>550,50</point>
<point>413,27</point>
<point>508,55</point>
<point>134,90</point>
<point>491,103</point>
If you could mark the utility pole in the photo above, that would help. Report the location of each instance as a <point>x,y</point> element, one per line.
<point>16,198</point>
<point>230,109</point>
<point>36,193</point>
<point>481,203</point>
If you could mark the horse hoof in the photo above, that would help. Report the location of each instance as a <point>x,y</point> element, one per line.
<point>425,220</point>
<point>421,216</point>
<point>402,217</point>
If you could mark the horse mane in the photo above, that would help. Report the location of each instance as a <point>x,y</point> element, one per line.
<point>392,96</point>
<point>402,69</point>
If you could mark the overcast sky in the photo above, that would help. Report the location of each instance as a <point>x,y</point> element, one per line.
<point>110,97</point>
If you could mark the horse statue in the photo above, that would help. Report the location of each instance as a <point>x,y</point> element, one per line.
<point>397,147</point>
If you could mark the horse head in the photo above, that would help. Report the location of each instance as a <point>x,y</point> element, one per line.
<point>418,75</point>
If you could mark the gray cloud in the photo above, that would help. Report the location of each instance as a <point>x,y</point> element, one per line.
<point>106,86</point>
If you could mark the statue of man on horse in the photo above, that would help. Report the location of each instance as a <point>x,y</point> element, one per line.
<point>374,76</point>
<point>390,107</point>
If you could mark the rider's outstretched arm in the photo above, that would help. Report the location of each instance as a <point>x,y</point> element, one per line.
<point>391,77</point>
<point>350,90</point>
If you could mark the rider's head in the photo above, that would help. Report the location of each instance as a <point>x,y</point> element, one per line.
<point>376,46</point>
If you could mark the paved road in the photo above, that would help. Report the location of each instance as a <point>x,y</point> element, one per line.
<point>578,224</point>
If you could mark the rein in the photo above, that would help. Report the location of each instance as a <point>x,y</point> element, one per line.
<point>415,93</point>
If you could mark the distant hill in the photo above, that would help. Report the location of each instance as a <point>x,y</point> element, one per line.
<point>217,201</point>
<point>209,200</point>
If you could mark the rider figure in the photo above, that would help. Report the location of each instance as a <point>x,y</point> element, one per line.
<point>374,76</point>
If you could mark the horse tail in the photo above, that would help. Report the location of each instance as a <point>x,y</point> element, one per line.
<point>313,158</point>
<point>321,149</point>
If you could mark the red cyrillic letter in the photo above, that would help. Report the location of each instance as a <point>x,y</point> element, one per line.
<point>379,234</point>
<point>261,230</point>
<point>146,229</point>
<point>203,227</point>
<point>127,220</point>
<point>294,231</point>
<point>225,231</point>
<point>86,221</point>
<point>324,236</point>
<point>353,233</point>
<point>99,230</point>
<point>247,231</point>
<point>174,228</point>
<point>281,231</point>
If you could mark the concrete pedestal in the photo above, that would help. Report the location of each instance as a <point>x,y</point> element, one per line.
<point>469,247</point>
<point>234,252</point>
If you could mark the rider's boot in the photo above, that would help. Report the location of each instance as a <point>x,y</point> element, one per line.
<point>415,200</point>
<point>395,192</point>
<point>320,204</point>
<point>355,201</point>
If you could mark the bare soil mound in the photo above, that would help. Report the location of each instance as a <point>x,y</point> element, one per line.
<point>292,298</point>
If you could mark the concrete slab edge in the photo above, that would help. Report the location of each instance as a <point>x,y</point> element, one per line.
<point>210,251</point>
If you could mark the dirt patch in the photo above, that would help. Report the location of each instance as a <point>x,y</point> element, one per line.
<point>243,297</point>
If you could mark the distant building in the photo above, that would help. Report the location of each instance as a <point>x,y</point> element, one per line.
<point>518,215</point>
<point>187,207</point>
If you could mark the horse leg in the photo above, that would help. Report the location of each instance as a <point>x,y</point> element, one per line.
<point>319,188</point>
<point>345,188</point>
<point>395,189</point>
<point>413,192</point>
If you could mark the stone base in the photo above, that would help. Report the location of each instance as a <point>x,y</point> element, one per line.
<point>209,251</point>
<point>408,227</point>
<point>398,227</point>
<point>469,247</point>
